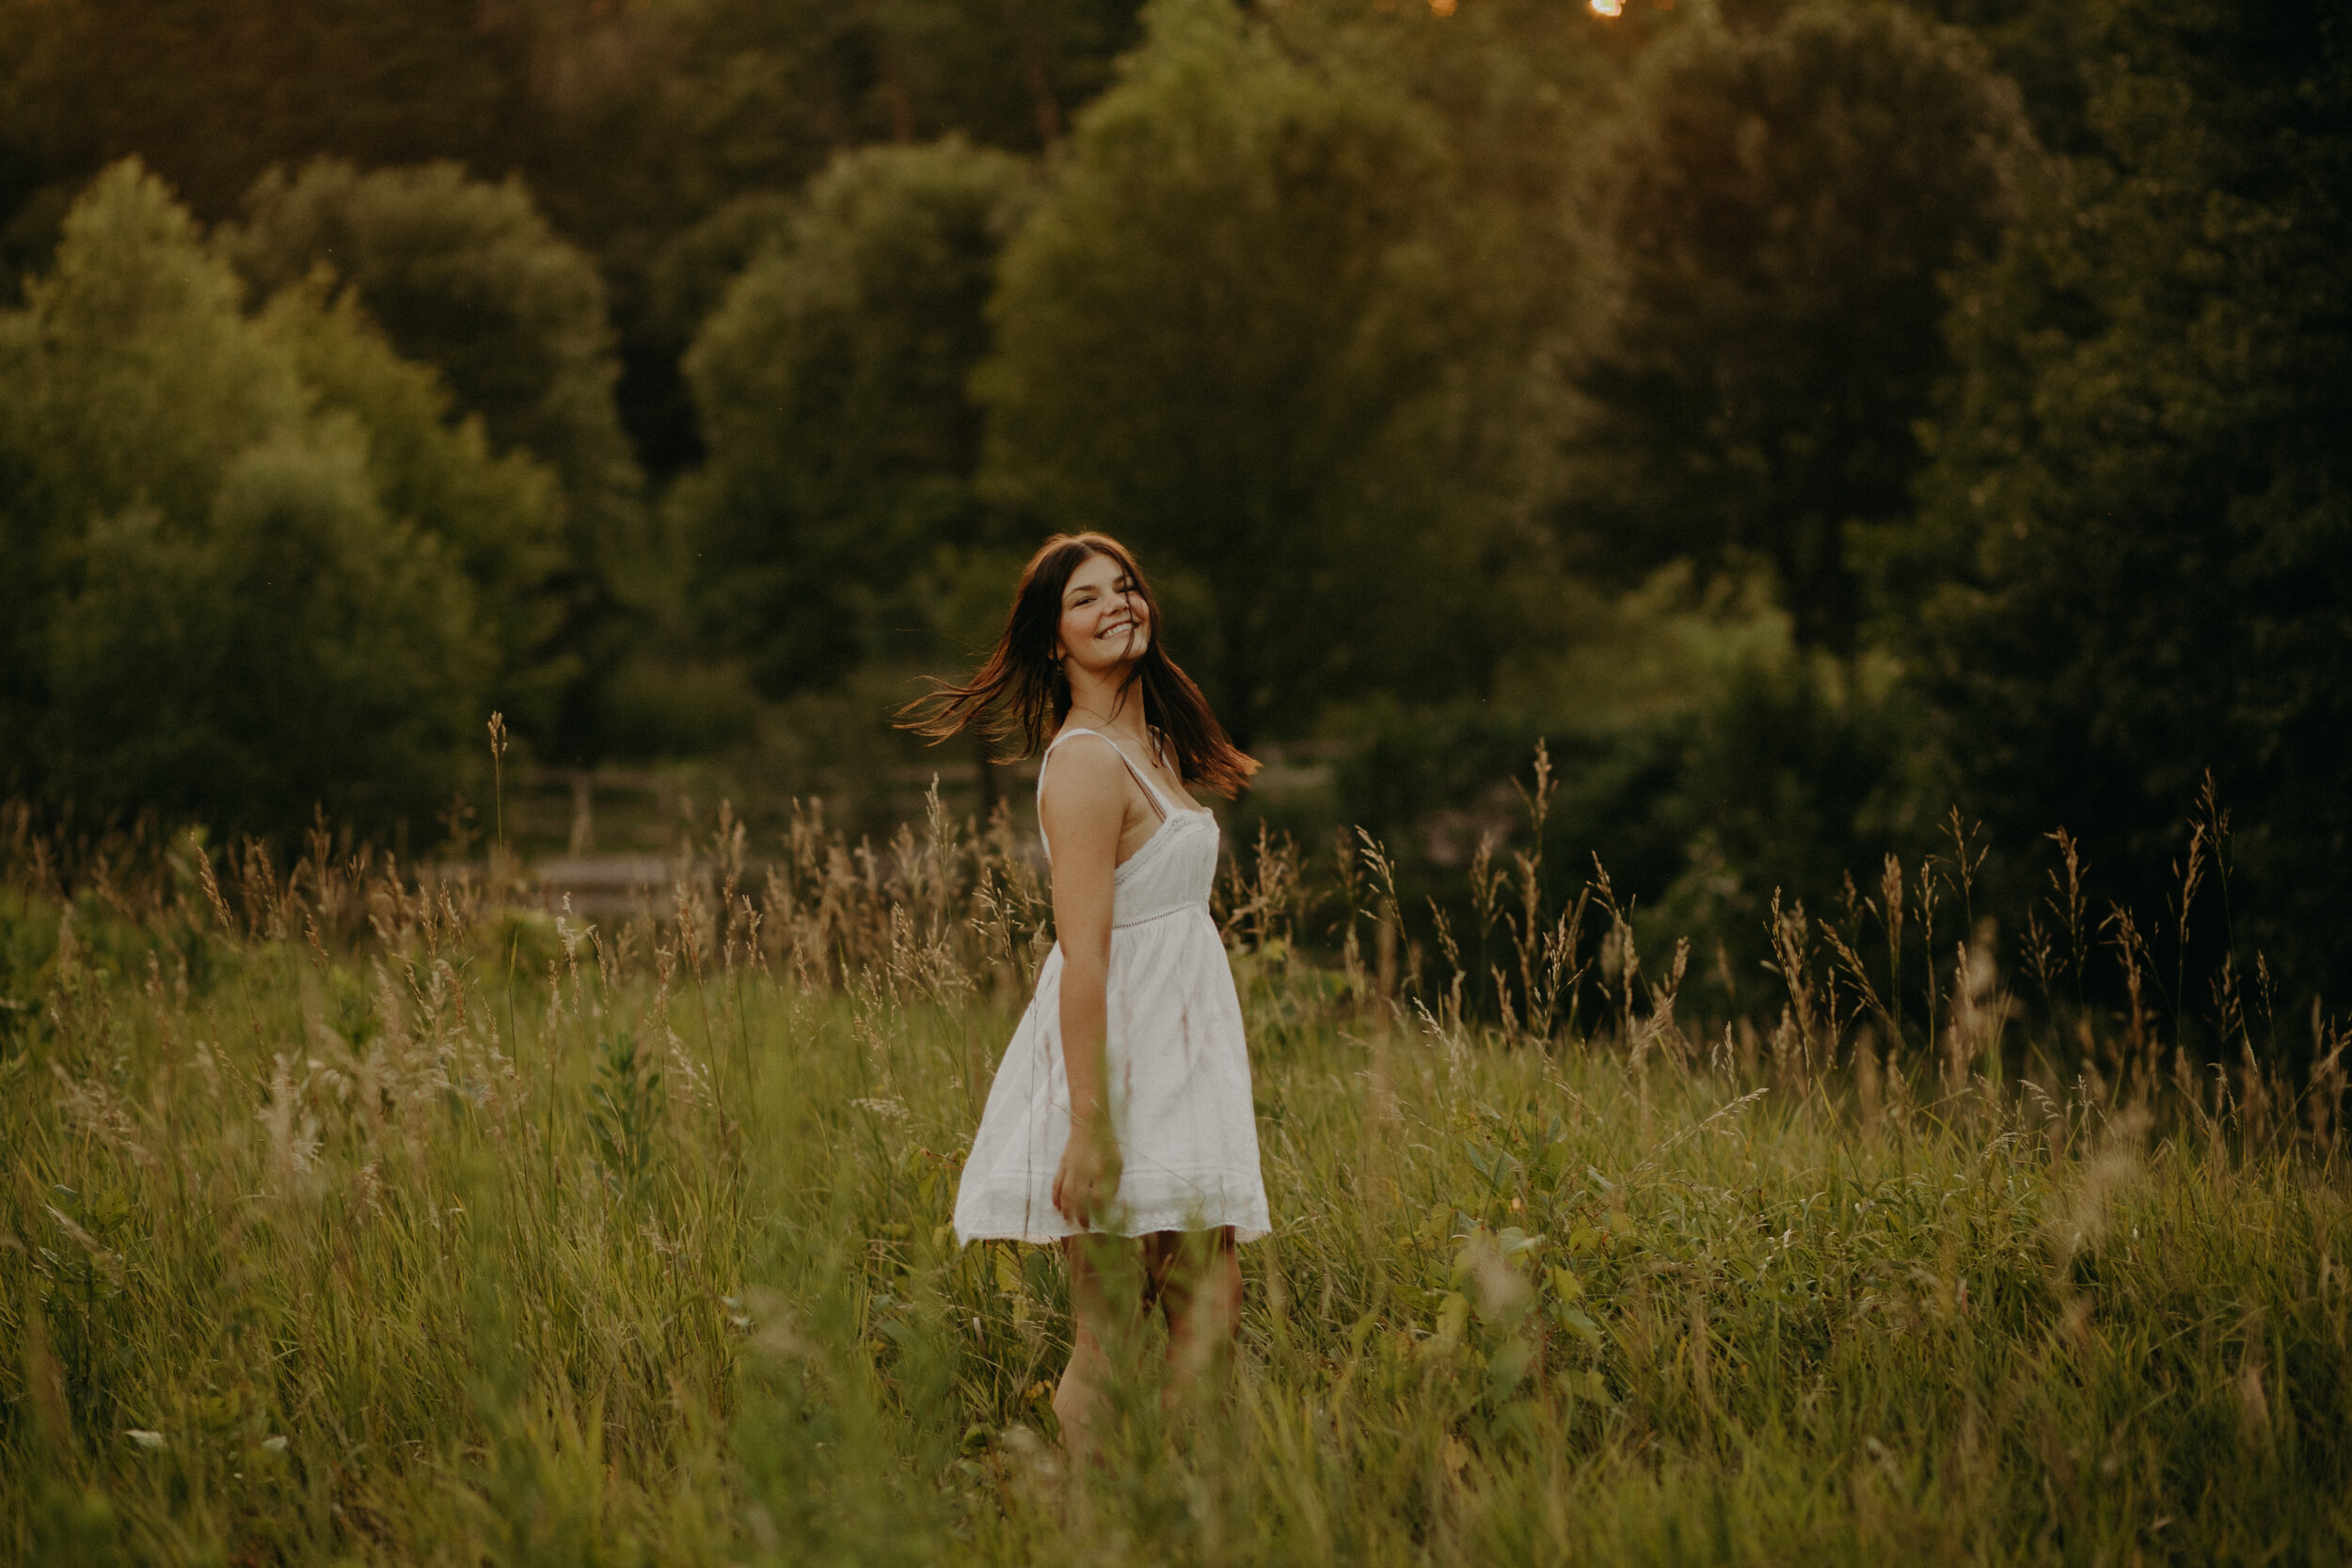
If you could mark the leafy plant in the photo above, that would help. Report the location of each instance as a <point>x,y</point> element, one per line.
<point>625,1108</point>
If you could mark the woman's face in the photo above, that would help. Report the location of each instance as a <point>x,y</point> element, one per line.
<point>1104,622</point>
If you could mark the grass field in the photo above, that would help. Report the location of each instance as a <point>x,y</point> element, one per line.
<point>350,1221</point>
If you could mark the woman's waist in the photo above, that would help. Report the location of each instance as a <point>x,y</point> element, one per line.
<point>1130,928</point>
<point>1127,913</point>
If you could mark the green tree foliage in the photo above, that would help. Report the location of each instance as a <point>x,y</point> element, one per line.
<point>501,516</point>
<point>298,648</point>
<point>468,276</point>
<point>1362,322</point>
<point>631,122</point>
<point>1779,207</point>
<point>213,95</point>
<point>831,382</point>
<point>772,81</point>
<point>2134,557</point>
<point>1227,336</point>
<point>749,100</point>
<point>2041,46</point>
<point>255,567</point>
<point>698,267</point>
<point>125,382</point>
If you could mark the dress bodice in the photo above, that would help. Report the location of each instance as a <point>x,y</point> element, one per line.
<point>1176,867</point>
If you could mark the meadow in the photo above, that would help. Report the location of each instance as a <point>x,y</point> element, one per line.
<point>354,1216</point>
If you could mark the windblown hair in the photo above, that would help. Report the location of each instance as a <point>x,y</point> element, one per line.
<point>1021,691</point>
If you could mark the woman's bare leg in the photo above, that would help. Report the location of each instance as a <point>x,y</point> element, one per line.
<point>1106,1302</point>
<point>1197,1279</point>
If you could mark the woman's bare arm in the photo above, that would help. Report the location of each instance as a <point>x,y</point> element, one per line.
<point>1084,807</point>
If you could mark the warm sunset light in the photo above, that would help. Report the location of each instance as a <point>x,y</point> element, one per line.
<point>1122,1046</point>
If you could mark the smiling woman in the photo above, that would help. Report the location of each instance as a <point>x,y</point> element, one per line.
<point>1119,1123</point>
<point>1023,690</point>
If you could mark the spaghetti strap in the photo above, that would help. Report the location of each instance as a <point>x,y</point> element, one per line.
<point>1159,801</point>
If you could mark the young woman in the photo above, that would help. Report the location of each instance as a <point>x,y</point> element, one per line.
<point>1121,1108</point>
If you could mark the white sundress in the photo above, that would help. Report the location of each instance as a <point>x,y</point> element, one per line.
<point>1178,1067</point>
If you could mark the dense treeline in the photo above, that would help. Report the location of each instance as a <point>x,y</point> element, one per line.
<point>1808,416</point>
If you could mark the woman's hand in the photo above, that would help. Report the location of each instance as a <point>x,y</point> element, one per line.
<point>1088,1179</point>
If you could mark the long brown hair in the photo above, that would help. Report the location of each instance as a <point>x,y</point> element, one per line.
<point>1021,690</point>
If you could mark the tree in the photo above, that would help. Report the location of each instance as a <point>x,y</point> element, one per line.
<point>300,649</point>
<point>698,267</point>
<point>210,96</point>
<point>630,122</point>
<point>468,276</point>
<point>501,518</point>
<point>240,548</point>
<point>2133,561</point>
<point>1779,207</point>
<point>122,384</point>
<point>773,81</point>
<point>1228,336</point>
<point>831,382</point>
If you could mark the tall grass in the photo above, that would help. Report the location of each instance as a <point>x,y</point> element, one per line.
<point>351,1217</point>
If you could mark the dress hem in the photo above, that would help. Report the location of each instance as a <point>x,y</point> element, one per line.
<point>1243,1234</point>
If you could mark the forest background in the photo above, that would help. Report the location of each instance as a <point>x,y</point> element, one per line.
<point>1806,420</point>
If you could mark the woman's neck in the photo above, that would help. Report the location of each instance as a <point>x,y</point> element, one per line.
<point>1099,702</point>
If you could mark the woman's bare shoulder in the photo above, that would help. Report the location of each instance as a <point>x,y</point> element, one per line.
<point>1084,772</point>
